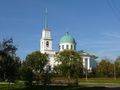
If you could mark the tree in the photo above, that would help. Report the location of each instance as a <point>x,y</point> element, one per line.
<point>105,68</point>
<point>117,66</point>
<point>69,64</point>
<point>27,73</point>
<point>35,64</point>
<point>8,46</point>
<point>9,63</point>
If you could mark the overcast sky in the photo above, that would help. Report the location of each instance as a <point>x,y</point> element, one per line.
<point>95,24</point>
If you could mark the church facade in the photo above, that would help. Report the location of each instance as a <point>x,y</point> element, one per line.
<point>67,42</point>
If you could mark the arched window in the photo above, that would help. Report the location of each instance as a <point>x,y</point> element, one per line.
<point>47,44</point>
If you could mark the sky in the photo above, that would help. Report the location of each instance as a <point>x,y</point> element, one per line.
<point>95,24</point>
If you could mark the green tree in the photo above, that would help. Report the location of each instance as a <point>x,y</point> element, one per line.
<point>27,73</point>
<point>9,63</point>
<point>70,64</point>
<point>105,68</point>
<point>35,64</point>
<point>8,46</point>
<point>117,66</point>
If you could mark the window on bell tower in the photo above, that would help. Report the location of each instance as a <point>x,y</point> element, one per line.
<point>47,44</point>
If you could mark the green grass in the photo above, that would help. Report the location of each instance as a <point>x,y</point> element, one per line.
<point>93,80</point>
<point>17,86</point>
<point>100,80</point>
<point>21,86</point>
<point>39,87</point>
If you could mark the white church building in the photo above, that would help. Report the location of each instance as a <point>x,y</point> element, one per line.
<point>67,42</point>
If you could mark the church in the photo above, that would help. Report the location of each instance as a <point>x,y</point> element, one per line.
<point>66,42</point>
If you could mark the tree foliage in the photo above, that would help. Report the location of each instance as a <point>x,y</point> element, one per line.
<point>8,46</point>
<point>27,73</point>
<point>69,64</point>
<point>34,65</point>
<point>105,68</point>
<point>117,66</point>
<point>9,63</point>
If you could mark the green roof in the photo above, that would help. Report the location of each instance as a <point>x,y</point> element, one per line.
<point>67,39</point>
<point>83,53</point>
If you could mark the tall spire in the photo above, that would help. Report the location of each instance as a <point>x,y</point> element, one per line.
<point>46,19</point>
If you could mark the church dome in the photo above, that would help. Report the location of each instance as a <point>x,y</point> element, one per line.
<point>67,39</point>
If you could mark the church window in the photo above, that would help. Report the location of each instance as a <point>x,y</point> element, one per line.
<point>67,47</point>
<point>74,47</point>
<point>59,47</point>
<point>47,44</point>
<point>86,62</point>
<point>71,47</point>
<point>86,59</point>
<point>62,46</point>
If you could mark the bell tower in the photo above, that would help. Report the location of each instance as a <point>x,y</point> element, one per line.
<point>46,40</point>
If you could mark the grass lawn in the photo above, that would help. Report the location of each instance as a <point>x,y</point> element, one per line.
<point>95,86</point>
<point>100,80</point>
<point>39,87</point>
